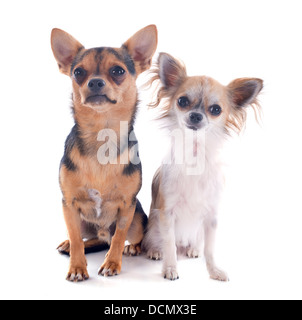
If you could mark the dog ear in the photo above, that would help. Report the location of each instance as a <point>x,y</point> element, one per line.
<point>171,72</point>
<point>65,48</point>
<point>244,91</point>
<point>142,47</point>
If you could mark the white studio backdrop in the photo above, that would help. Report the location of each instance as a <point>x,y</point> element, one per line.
<point>259,236</point>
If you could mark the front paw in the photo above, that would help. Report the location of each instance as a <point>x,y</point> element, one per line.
<point>110,268</point>
<point>77,273</point>
<point>170,273</point>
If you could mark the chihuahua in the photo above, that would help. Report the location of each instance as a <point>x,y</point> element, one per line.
<point>99,186</point>
<point>200,113</point>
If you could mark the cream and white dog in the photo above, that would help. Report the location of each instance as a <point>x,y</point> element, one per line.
<point>199,113</point>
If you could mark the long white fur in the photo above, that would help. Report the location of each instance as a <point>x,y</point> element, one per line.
<point>190,179</point>
<point>191,197</point>
<point>191,203</point>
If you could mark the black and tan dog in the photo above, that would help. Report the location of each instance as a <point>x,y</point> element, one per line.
<point>100,186</point>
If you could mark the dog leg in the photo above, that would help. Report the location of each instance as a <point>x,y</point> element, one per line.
<point>136,232</point>
<point>92,242</point>
<point>210,234</point>
<point>169,248</point>
<point>152,242</point>
<point>113,262</point>
<point>91,246</point>
<point>78,265</point>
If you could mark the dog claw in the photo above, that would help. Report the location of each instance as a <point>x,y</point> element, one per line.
<point>107,272</point>
<point>77,275</point>
<point>171,274</point>
<point>109,269</point>
<point>193,253</point>
<point>132,250</point>
<point>154,255</point>
<point>76,278</point>
<point>64,248</point>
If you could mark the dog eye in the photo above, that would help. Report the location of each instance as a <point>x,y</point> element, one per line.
<point>117,71</point>
<point>183,102</point>
<point>79,73</point>
<point>215,110</point>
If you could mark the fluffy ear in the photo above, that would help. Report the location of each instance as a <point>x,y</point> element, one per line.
<point>65,48</point>
<point>142,47</point>
<point>244,92</point>
<point>171,71</point>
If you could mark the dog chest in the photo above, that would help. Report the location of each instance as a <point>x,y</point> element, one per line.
<point>196,194</point>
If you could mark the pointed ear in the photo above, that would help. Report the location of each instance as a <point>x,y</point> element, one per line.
<point>65,48</point>
<point>142,47</point>
<point>171,71</point>
<point>244,91</point>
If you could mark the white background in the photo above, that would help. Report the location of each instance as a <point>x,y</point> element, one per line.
<point>260,231</point>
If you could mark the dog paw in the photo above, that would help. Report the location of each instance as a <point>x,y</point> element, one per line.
<point>132,250</point>
<point>154,255</point>
<point>171,273</point>
<point>193,253</point>
<point>110,268</point>
<point>77,274</point>
<point>219,275</point>
<point>64,247</point>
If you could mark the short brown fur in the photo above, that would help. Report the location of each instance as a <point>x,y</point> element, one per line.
<point>111,212</point>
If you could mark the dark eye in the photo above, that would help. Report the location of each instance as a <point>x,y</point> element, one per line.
<point>79,74</point>
<point>183,102</point>
<point>215,110</point>
<point>117,71</point>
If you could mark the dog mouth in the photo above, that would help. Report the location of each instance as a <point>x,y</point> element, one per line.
<point>194,128</point>
<point>99,99</point>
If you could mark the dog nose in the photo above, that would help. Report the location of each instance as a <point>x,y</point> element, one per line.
<point>196,118</point>
<point>95,85</point>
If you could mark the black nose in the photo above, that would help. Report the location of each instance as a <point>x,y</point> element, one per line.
<point>95,85</point>
<point>196,117</point>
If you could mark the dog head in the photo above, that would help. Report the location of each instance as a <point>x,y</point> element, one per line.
<point>201,102</point>
<point>104,77</point>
